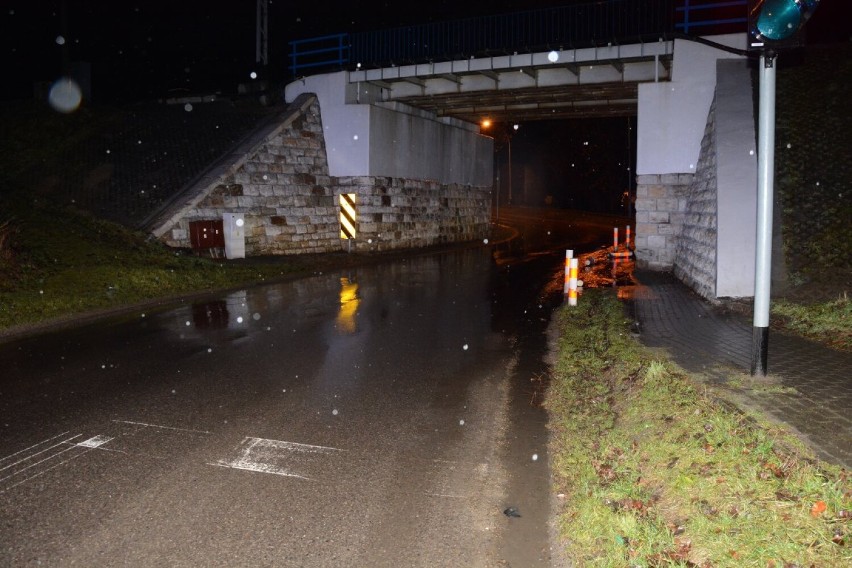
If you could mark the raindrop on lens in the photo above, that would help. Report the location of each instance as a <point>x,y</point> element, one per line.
<point>187,107</point>
<point>334,412</point>
<point>60,40</point>
<point>465,347</point>
<point>240,319</point>
<point>65,95</point>
<point>461,422</point>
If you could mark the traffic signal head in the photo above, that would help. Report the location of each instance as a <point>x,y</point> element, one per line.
<point>776,24</point>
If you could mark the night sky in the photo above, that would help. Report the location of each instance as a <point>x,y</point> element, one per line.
<point>147,48</point>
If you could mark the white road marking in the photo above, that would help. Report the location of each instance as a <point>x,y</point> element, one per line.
<point>33,446</point>
<point>447,495</point>
<point>259,468</point>
<point>37,463</point>
<point>63,462</point>
<point>161,427</point>
<point>273,456</point>
<point>88,445</point>
<point>31,456</point>
<point>95,441</point>
<point>291,446</point>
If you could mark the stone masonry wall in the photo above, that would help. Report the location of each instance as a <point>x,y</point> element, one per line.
<point>661,202</point>
<point>402,213</point>
<point>290,202</point>
<point>695,251</point>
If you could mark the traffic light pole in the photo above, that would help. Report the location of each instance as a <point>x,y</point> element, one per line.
<point>765,182</point>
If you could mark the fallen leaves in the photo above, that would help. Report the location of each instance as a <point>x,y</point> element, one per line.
<point>818,508</point>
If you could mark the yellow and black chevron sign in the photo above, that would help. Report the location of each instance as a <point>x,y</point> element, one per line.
<point>348,216</point>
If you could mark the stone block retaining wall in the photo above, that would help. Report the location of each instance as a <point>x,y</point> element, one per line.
<point>290,202</point>
<point>402,213</point>
<point>695,253</point>
<point>661,203</point>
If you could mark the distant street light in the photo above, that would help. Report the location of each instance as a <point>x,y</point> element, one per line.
<point>501,136</point>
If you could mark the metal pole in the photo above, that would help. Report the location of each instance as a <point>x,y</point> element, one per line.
<point>261,54</point>
<point>509,138</point>
<point>497,213</point>
<point>765,179</point>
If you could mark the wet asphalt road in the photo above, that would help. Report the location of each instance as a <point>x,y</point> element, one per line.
<point>382,416</point>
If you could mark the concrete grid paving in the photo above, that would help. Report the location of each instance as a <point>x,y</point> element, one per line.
<point>816,394</point>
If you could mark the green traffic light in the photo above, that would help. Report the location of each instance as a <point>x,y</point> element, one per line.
<point>781,19</point>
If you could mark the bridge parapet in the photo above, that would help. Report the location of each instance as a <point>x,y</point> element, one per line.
<point>597,81</point>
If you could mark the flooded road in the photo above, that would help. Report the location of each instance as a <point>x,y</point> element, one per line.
<point>379,416</point>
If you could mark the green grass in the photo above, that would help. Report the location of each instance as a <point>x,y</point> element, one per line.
<point>58,262</point>
<point>655,472</point>
<point>827,322</point>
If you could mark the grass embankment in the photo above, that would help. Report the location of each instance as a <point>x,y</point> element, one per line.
<point>826,322</point>
<point>55,263</point>
<point>654,472</point>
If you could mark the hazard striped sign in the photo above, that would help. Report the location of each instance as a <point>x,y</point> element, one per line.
<point>348,216</point>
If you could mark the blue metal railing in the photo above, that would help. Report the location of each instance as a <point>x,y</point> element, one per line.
<point>323,51</point>
<point>577,26</point>
<point>711,15</point>
<point>583,25</point>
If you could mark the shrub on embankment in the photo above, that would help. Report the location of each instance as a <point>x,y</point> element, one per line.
<point>813,161</point>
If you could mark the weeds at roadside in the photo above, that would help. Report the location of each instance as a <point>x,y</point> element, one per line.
<point>656,473</point>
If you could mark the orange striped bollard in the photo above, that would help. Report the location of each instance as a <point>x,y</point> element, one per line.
<point>572,282</point>
<point>627,237</point>
<point>569,254</point>
<point>615,238</point>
